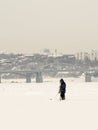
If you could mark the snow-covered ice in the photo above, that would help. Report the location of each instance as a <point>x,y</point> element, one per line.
<point>36,106</point>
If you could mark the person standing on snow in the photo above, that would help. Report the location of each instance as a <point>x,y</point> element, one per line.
<point>62,89</point>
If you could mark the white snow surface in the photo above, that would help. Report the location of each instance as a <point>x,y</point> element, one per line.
<point>36,106</point>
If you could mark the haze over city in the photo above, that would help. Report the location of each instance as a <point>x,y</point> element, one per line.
<point>29,26</point>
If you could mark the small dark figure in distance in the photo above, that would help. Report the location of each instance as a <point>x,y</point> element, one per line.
<point>62,89</point>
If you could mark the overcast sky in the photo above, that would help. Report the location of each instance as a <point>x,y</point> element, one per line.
<point>27,26</point>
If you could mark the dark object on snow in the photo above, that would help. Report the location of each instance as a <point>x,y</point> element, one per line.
<point>62,89</point>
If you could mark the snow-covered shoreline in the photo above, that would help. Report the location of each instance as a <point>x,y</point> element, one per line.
<point>28,106</point>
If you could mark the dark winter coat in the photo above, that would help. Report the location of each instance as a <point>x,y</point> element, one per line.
<point>62,87</point>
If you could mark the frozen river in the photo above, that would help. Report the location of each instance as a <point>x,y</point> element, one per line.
<point>37,106</point>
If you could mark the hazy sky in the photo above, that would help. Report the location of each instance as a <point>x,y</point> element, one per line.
<point>28,26</point>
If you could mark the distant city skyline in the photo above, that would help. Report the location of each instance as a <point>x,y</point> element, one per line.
<point>69,26</point>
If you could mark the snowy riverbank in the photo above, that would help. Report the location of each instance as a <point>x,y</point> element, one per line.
<point>29,106</point>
